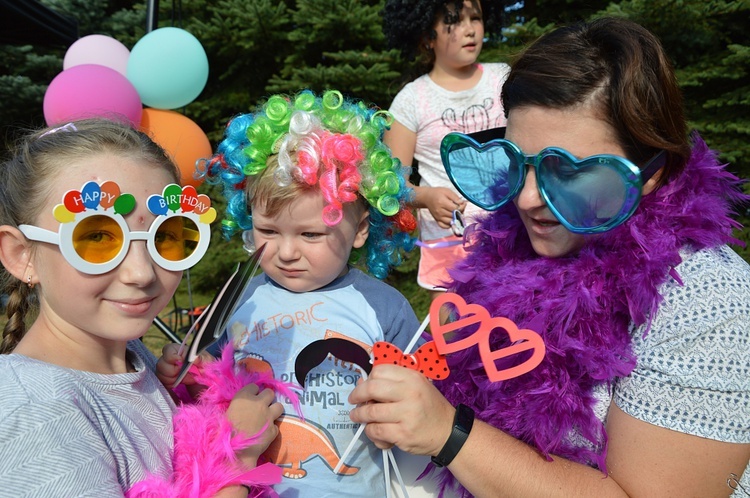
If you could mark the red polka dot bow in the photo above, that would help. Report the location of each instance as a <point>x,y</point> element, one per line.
<point>425,360</point>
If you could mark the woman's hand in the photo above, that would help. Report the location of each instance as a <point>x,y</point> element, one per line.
<point>441,202</point>
<point>250,411</point>
<point>402,407</point>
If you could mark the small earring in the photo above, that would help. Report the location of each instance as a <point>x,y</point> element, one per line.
<point>28,282</point>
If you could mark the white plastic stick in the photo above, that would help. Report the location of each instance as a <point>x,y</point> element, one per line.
<point>387,474</point>
<point>392,458</point>
<point>418,334</point>
<point>356,437</point>
<point>349,448</point>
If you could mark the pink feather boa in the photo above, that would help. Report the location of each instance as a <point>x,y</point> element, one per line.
<point>206,444</point>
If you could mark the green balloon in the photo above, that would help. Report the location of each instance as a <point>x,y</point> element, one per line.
<point>124,204</point>
<point>172,196</point>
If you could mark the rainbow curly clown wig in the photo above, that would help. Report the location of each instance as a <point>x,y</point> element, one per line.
<point>325,142</point>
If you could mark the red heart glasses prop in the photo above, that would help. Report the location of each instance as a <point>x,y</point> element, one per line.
<point>474,314</point>
<point>521,340</point>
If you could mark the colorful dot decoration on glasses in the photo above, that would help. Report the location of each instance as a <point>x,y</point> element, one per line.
<point>328,141</point>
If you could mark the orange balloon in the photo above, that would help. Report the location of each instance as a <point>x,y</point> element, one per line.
<point>180,137</point>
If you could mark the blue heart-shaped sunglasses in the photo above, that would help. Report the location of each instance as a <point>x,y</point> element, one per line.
<point>589,195</point>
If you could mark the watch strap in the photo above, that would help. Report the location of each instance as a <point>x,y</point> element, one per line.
<point>463,421</point>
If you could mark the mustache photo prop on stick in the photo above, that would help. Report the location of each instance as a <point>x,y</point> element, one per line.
<point>314,353</point>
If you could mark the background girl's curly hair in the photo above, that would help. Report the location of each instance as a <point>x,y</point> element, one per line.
<point>408,24</point>
<point>325,142</point>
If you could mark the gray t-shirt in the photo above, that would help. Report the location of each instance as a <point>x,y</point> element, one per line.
<point>68,433</point>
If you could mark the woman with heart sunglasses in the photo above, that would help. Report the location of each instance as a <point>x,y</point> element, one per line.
<point>609,239</point>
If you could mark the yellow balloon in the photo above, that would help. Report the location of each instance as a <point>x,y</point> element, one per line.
<point>62,214</point>
<point>209,216</point>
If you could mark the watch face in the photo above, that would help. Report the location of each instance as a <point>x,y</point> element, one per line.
<point>464,417</point>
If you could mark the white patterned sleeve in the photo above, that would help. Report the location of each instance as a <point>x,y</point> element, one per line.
<point>693,371</point>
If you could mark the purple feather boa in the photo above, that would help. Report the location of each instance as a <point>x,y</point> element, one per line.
<point>583,306</point>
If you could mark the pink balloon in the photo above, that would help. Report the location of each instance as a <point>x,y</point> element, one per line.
<point>98,49</point>
<point>91,90</point>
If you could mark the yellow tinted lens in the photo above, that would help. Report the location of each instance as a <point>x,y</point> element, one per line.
<point>97,239</point>
<point>177,238</point>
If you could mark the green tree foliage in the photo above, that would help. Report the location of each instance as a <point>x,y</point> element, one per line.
<point>26,71</point>
<point>338,45</point>
<point>246,42</point>
<point>556,12</point>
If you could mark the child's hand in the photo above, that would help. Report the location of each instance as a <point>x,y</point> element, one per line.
<point>249,411</point>
<point>168,366</point>
<point>442,202</point>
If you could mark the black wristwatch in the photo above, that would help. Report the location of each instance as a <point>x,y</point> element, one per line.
<point>462,423</point>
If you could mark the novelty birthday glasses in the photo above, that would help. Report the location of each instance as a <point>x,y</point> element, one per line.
<point>94,237</point>
<point>589,195</point>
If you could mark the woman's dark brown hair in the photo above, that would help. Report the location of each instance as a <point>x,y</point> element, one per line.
<point>623,67</point>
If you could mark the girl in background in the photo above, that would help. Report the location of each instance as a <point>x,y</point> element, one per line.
<point>456,94</point>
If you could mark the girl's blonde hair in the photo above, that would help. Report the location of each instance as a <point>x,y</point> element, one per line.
<point>28,176</point>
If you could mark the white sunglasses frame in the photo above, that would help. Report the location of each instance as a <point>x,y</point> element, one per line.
<point>65,234</point>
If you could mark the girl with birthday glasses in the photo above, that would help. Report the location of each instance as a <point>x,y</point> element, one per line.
<point>95,232</point>
<point>608,240</point>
